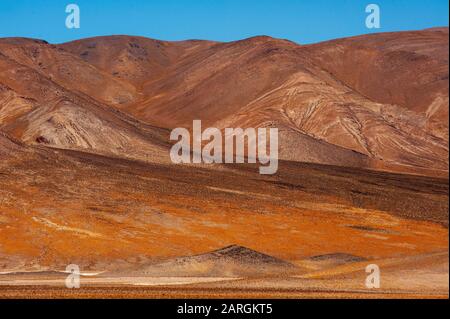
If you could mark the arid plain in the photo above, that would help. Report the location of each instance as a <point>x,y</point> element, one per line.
<point>86,178</point>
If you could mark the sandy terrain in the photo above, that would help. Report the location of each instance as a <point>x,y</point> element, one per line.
<point>134,225</point>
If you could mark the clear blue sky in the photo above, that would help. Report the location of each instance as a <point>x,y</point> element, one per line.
<point>302,21</point>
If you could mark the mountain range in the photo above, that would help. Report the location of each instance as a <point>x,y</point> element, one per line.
<point>376,101</point>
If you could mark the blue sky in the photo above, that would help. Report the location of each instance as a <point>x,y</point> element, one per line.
<point>302,21</point>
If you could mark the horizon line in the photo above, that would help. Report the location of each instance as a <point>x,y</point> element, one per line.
<point>216,41</point>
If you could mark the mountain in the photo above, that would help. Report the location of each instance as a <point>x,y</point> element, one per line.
<point>409,69</point>
<point>40,108</point>
<point>377,101</point>
<point>327,112</point>
<point>134,60</point>
<point>66,70</point>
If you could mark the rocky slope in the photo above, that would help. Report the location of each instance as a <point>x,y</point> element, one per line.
<point>377,101</point>
<point>321,100</point>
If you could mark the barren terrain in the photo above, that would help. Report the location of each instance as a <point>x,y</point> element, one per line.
<point>86,178</point>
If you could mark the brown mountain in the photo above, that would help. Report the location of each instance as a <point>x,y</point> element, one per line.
<point>328,111</point>
<point>409,69</point>
<point>40,108</point>
<point>262,81</point>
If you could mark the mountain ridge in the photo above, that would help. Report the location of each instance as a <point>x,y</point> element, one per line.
<point>324,116</point>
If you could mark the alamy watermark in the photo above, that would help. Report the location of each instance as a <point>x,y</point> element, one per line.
<point>73,279</point>
<point>373,280</point>
<point>73,19</point>
<point>261,146</point>
<point>373,20</point>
